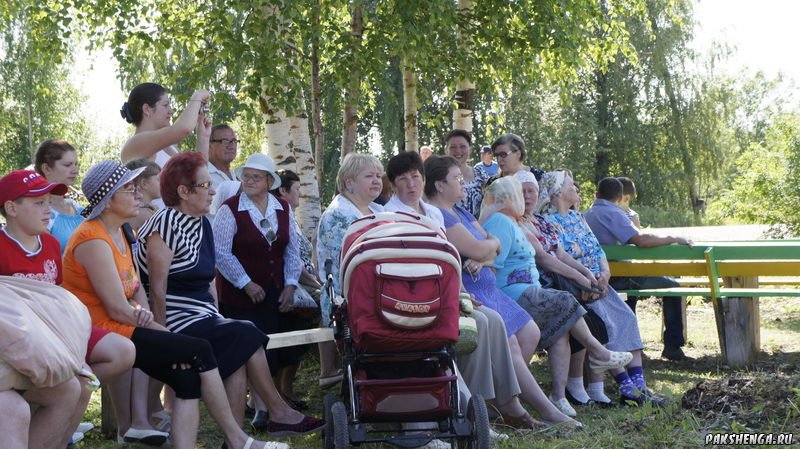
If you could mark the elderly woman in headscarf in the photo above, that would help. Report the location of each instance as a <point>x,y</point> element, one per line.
<point>557,313</point>
<point>557,269</point>
<point>557,194</point>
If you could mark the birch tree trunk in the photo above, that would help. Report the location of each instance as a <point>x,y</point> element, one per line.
<point>289,144</point>
<point>316,94</point>
<point>309,211</point>
<point>465,89</point>
<point>353,91</point>
<point>410,107</point>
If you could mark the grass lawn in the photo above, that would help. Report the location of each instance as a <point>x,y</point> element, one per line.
<point>763,398</point>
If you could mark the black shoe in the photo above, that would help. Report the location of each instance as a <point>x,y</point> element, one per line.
<point>574,401</point>
<point>674,354</point>
<point>260,420</point>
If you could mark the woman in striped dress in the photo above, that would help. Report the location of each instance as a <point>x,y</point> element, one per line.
<point>176,263</point>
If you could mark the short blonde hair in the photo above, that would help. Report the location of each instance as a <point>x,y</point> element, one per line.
<point>352,165</point>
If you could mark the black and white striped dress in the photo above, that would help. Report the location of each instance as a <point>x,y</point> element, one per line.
<point>190,307</point>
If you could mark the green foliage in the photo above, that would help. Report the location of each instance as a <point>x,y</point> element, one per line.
<point>764,188</point>
<point>37,99</point>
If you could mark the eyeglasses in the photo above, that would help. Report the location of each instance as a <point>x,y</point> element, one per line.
<point>131,191</point>
<point>254,178</point>
<point>205,185</point>
<point>459,179</point>
<point>269,234</point>
<point>226,141</point>
<point>504,154</point>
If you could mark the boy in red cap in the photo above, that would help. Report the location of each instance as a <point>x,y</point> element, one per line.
<point>29,251</point>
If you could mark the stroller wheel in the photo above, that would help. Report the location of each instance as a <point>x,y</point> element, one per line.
<point>341,433</point>
<point>327,432</point>
<point>478,418</point>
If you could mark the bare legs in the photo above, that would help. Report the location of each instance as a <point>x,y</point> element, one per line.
<point>50,425</point>
<point>110,359</point>
<point>261,381</point>
<point>217,404</point>
<point>558,356</point>
<point>236,390</point>
<point>531,391</point>
<point>16,419</point>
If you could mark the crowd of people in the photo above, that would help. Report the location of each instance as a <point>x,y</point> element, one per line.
<point>185,265</point>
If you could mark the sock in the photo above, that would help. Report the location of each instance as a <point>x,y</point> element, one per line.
<point>637,377</point>
<point>596,392</point>
<point>575,388</point>
<point>626,386</point>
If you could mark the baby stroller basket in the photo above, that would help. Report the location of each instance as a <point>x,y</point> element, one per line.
<point>401,281</point>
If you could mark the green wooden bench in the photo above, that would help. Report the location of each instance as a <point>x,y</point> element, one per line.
<point>732,271</point>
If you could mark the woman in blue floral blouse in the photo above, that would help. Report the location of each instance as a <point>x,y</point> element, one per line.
<point>557,194</point>
<point>358,183</point>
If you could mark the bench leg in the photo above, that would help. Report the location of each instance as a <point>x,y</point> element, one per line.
<point>108,421</point>
<point>741,318</point>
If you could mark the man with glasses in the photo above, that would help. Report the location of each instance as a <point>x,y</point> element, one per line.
<point>221,152</point>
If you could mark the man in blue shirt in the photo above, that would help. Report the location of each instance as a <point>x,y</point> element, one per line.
<point>487,164</point>
<point>612,226</point>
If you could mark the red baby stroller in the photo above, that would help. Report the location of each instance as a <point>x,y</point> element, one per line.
<point>395,330</point>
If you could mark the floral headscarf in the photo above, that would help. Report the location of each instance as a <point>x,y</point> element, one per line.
<point>550,186</point>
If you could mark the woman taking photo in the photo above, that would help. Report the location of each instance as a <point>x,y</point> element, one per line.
<point>149,109</point>
<point>258,258</point>
<point>176,261</point>
<point>99,270</point>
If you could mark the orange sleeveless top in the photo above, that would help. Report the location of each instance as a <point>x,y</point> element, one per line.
<point>76,279</point>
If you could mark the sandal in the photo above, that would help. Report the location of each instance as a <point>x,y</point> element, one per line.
<point>615,360</point>
<point>267,444</point>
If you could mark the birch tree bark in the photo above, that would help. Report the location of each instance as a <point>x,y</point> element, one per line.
<point>410,107</point>
<point>465,89</point>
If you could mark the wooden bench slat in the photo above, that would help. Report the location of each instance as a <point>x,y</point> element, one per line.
<point>301,337</point>
<point>658,268</point>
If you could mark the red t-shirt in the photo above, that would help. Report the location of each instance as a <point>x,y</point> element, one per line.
<point>43,265</point>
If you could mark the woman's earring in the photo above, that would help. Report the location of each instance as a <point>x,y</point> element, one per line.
<point>350,190</point>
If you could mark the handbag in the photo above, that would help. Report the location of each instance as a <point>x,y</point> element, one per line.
<point>304,304</point>
<point>563,283</point>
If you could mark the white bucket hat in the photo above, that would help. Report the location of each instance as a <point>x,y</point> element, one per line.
<point>259,161</point>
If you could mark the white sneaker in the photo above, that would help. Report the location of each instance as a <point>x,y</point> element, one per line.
<point>563,406</point>
<point>496,436</point>
<point>77,436</point>
<point>436,444</point>
<point>84,427</point>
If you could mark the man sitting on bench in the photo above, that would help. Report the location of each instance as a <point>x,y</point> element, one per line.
<point>612,226</point>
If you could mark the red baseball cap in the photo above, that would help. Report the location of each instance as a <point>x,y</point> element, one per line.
<point>27,183</point>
